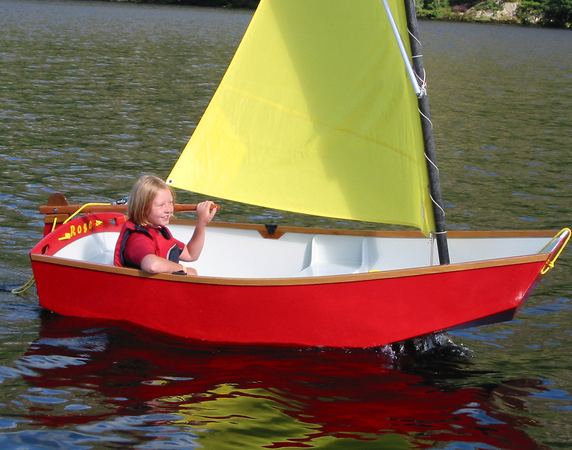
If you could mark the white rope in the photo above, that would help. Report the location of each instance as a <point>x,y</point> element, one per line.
<point>425,117</point>
<point>423,84</point>
<point>421,80</point>
<point>431,162</point>
<point>414,37</point>
<point>437,204</point>
<point>423,87</point>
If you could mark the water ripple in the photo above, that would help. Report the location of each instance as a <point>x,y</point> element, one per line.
<point>94,94</point>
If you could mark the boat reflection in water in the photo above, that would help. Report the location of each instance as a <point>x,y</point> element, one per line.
<point>113,385</point>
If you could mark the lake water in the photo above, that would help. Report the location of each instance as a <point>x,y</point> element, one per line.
<point>94,94</point>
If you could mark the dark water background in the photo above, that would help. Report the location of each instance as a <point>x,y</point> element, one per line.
<point>94,94</point>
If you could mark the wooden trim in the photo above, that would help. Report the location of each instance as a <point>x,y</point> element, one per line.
<point>502,233</point>
<point>57,198</point>
<point>70,209</point>
<point>295,281</point>
<point>283,229</point>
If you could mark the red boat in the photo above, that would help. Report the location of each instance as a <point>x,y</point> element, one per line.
<point>322,116</point>
<point>298,286</point>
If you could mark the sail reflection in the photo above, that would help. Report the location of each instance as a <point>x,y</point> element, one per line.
<point>115,382</point>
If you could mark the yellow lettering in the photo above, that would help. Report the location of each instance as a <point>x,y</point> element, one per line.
<point>81,229</point>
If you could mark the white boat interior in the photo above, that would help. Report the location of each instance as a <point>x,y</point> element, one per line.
<point>244,253</point>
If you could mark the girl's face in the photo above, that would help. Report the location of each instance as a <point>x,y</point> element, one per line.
<point>161,209</point>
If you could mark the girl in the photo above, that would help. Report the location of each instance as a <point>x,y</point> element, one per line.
<point>146,243</point>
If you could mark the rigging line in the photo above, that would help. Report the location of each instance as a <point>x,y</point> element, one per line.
<point>28,284</point>
<point>437,204</point>
<point>423,79</point>
<point>432,163</point>
<point>424,76</point>
<point>424,87</point>
<point>414,37</point>
<point>20,290</point>
<point>426,118</point>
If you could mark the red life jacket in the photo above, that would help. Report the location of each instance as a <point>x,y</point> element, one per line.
<point>166,246</point>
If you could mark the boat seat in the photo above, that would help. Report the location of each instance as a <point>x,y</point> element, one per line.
<point>98,248</point>
<point>336,255</point>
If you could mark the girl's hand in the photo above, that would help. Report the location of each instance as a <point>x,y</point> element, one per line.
<point>205,212</point>
<point>186,271</point>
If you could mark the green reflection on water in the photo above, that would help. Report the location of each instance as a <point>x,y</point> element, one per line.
<point>228,418</point>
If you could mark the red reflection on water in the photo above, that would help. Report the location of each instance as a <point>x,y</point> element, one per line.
<point>356,395</point>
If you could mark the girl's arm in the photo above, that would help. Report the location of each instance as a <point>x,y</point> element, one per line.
<point>205,212</point>
<point>155,264</point>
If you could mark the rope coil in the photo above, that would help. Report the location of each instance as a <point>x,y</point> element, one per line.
<point>28,284</point>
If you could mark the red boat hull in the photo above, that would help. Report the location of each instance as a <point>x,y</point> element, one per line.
<point>358,310</point>
<point>346,314</point>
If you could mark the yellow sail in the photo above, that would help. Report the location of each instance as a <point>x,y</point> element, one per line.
<point>316,115</point>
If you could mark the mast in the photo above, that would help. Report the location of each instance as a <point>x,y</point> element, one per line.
<point>428,140</point>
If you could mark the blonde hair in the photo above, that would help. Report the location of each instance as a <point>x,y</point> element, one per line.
<point>141,199</point>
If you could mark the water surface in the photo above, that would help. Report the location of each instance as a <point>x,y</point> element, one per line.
<point>94,94</point>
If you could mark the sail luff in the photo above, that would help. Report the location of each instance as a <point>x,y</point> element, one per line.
<point>428,138</point>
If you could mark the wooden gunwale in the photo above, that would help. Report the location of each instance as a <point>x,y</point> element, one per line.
<point>70,209</point>
<point>282,229</point>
